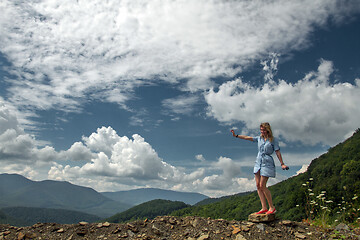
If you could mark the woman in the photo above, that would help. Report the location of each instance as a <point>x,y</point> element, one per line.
<point>264,164</point>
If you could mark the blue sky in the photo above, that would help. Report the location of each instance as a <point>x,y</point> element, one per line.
<point>117,95</point>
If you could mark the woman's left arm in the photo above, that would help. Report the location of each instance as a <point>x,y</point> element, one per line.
<point>278,154</point>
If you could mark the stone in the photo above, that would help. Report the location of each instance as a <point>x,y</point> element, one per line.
<point>81,232</point>
<point>240,237</point>
<point>83,223</point>
<point>261,226</point>
<point>342,226</point>
<point>21,236</point>
<point>27,235</point>
<point>236,230</point>
<point>203,237</point>
<point>61,230</point>
<point>299,235</point>
<point>106,224</point>
<point>286,222</point>
<point>261,217</point>
<point>245,228</point>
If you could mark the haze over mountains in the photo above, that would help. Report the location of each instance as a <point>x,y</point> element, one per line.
<point>141,195</point>
<point>18,191</point>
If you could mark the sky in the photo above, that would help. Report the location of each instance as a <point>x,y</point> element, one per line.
<point>119,95</point>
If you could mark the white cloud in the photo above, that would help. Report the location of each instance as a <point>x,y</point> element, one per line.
<point>121,157</point>
<point>77,152</point>
<point>303,169</point>
<point>227,182</point>
<point>200,157</point>
<point>64,54</point>
<point>20,152</point>
<point>182,104</point>
<point>311,110</point>
<point>107,162</point>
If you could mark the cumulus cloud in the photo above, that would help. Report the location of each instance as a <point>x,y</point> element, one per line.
<point>63,54</point>
<point>20,152</point>
<point>106,161</point>
<point>312,110</point>
<point>120,157</point>
<point>181,104</point>
<point>200,157</point>
<point>227,181</point>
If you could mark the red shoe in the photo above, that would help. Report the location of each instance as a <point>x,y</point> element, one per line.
<point>262,211</point>
<point>271,212</point>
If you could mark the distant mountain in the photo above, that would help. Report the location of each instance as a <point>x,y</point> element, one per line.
<point>18,191</point>
<point>214,200</point>
<point>150,210</point>
<point>334,174</point>
<point>26,216</point>
<point>5,219</point>
<point>138,196</point>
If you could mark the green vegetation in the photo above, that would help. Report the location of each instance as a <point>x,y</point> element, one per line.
<point>148,210</point>
<point>16,190</point>
<point>141,195</point>
<point>214,200</point>
<point>334,174</point>
<point>5,219</point>
<point>26,216</point>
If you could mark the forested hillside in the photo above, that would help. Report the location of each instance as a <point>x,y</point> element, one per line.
<point>26,216</point>
<point>141,195</point>
<point>5,219</point>
<point>331,184</point>
<point>149,210</point>
<point>16,190</point>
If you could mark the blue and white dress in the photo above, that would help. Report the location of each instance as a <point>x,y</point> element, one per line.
<point>264,161</point>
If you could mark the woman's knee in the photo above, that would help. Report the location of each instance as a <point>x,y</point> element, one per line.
<point>261,186</point>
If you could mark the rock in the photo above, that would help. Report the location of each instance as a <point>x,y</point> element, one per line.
<point>286,222</point>
<point>240,237</point>
<point>196,222</point>
<point>245,228</point>
<point>81,232</point>
<point>21,236</point>
<point>106,224</point>
<point>261,217</point>
<point>27,235</point>
<point>342,226</point>
<point>179,228</point>
<point>83,223</point>
<point>235,229</point>
<point>299,235</point>
<point>261,226</point>
<point>203,237</point>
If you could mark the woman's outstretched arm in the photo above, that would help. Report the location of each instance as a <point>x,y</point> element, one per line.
<point>241,136</point>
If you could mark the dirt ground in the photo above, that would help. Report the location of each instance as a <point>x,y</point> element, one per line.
<point>181,228</point>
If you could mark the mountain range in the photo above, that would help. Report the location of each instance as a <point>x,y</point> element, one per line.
<point>18,191</point>
<point>141,195</point>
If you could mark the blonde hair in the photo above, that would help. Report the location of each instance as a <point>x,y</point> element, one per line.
<point>267,127</point>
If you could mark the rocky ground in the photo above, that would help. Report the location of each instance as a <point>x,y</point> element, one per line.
<point>181,228</point>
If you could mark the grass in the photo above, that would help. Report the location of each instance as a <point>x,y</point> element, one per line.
<point>324,212</point>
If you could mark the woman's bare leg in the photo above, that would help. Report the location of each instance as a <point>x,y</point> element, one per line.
<point>260,191</point>
<point>266,192</point>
